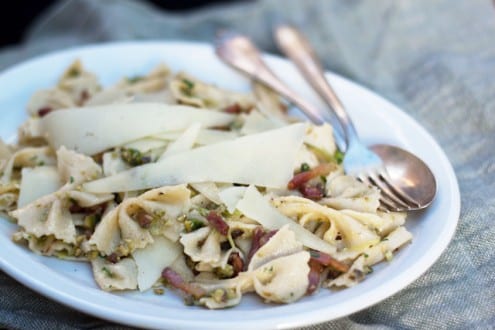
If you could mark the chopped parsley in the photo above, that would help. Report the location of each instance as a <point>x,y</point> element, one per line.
<point>305,167</point>
<point>191,224</point>
<point>187,87</point>
<point>338,156</point>
<point>107,272</point>
<point>135,79</point>
<point>71,180</point>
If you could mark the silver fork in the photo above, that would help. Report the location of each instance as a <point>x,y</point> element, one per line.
<point>359,161</point>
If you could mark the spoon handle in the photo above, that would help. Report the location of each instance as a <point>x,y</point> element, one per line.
<point>239,52</point>
<point>298,49</point>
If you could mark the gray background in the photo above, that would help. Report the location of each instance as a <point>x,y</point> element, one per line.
<point>434,59</point>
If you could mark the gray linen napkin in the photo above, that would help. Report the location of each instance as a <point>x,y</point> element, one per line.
<point>435,59</point>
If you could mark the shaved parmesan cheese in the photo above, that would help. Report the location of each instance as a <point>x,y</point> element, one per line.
<point>231,196</point>
<point>256,207</point>
<point>207,189</point>
<point>153,259</point>
<point>184,142</point>
<point>91,130</point>
<point>145,144</point>
<point>37,182</point>
<point>255,122</point>
<point>206,136</point>
<point>264,159</point>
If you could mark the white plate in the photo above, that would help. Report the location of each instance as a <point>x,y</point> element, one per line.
<point>376,120</point>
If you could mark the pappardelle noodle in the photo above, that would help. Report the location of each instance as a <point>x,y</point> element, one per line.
<point>167,183</point>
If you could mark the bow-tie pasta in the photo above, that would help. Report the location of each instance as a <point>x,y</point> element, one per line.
<point>162,182</point>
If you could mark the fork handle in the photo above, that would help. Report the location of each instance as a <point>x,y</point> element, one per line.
<point>298,49</point>
<point>243,55</point>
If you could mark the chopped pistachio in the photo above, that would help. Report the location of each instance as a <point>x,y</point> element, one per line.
<point>92,255</point>
<point>73,72</point>
<point>159,291</point>
<point>90,221</point>
<point>231,294</point>
<point>219,295</point>
<point>134,157</point>
<point>225,272</point>
<point>368,269</point>
<point>191,224</point>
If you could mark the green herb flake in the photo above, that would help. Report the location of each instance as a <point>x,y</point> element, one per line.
<point>305,167</point>
<point>71,180</point>
<point>187,87</point>
<point>365,255</point>
<point>338,156</point>
<point>107,272</point>
<point>134,79</point>
<point>189,84</point>
<point>191,224</point>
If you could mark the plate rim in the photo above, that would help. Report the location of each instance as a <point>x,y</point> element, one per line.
<point>318,316</point>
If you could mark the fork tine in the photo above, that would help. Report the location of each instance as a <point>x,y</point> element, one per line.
<point>387,205</point>
<point>388,201</point>
<point>397,191</point>
<point>385,190</point>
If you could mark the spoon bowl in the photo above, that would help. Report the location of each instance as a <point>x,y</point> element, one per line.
<point>409,173</point>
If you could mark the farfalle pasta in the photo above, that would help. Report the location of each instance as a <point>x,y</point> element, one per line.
<point>165,181</point>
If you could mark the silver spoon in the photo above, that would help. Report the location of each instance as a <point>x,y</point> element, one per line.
<point>406,181</point>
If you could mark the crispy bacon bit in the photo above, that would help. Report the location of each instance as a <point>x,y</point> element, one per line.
<point>175,280</point>
<point>260,238</point>
<point>144,219</point>
<point>233,109</point>
<point>301,178</point>
<point>44,111</point>
<point>84,97</point>
<point>113,258</point>
<point>218,223</point>
<point>315,270</point>
<point>236,262</point>
<point>312,192</point>
<point>327,260</point>
<point>95,209</point>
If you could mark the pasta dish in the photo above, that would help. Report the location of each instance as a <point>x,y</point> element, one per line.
<point>167,183</point>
